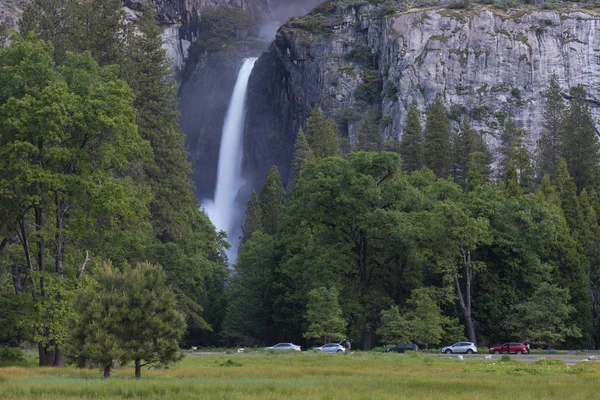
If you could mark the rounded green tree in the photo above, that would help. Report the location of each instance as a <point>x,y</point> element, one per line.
<point>130,315</point>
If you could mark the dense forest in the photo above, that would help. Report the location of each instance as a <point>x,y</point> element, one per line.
<point>430,238</point>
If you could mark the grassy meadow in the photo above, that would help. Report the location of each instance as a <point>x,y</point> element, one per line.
<point>309,375</point>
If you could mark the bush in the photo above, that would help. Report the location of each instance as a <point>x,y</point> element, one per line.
<point>505,358</point>
<point>11,354</point>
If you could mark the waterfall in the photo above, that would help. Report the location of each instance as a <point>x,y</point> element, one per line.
<point>224,211</point>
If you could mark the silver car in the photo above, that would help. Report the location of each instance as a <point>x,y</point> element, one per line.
<point>331,348</point>
<point>284,347</point>
<point>460,347</point>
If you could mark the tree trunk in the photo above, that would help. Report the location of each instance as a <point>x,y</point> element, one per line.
<point>59,359</point>
<point>42,355</point>
<point>59,240</point>
<point>138,368</point>
<point>39,226</point>
<point>107,371</point>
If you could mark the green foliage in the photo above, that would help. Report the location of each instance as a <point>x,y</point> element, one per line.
<point>146,70</point>
<point>369,91</point>
<point>11,354</point>
<point>324,316</point>
<point>221,26</point>
<point>322,135</point>
<point>271,198</point>
<point>545,316</point>
<point>426,322</point>
<point>411,145</point>
<point>579,142</point>
<point>550,142</point>
<point>129,316</point>
<point>301,156</point>
<point>394,327</point>
<point>369,138</point>
<point>436,145</point>
<point>248,311</point>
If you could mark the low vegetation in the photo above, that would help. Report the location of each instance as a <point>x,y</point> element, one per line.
<point>315,376</point>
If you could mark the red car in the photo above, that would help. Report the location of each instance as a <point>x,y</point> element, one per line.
<point>510,348</point>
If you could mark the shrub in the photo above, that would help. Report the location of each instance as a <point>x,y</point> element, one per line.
<point>11,354</point>
<point>505,358</point>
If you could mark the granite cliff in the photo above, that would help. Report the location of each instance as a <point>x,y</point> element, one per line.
<point>484,62</point>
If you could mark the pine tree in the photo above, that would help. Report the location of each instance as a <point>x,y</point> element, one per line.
<point>146,70</point>
<point>301,156</point>
<point>253,217</point>
<point>322,135</point>
<point>515,154</point>
<point>130,316</point>
<point>567,193</point>
<point>100,27</point>
<point>437,150</point>
<point>549,143</point>
<point>411,144</point>
<point>52,21</point>
<point>272,198</point>
<point>369,138</point>
<point>579,141</point>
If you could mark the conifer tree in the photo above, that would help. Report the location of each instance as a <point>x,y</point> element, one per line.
<point>411,144</point>
<point>130,316</point>
<point>549,143</point>
<point>322,135</point>
<point>436,145</point>
<point>579,141</point>
<point>567,193</point>
<point>100,27</point>
<point>146,70</point>
<point>301,156</point>
<point>253,217</point>
<point>369,138</point>
<point>515,154</point>
<point>53,21</point>
<point>272,198</point>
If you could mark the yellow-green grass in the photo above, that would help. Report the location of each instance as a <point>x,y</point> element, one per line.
<point>312,376</point>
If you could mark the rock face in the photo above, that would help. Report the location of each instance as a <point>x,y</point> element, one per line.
<point>484,63</point>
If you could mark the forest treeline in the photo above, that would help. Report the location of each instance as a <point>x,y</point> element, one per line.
<point>418,239</point>
<point>421,240</point>
<point>94,182</point>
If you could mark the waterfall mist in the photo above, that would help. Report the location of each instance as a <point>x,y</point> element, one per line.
<point>224,211</point>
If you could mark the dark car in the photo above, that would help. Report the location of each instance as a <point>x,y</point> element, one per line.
<point>510,348</point>
<point>401,348</point>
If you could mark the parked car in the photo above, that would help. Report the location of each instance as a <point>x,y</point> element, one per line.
<point>510,348</point>
<point>460,347</point>
<point>284,347</point>
<point>331,348</point>
<point>401,348</point>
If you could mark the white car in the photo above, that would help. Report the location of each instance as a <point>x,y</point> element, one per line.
<point>331,348</point>
<point>460,347</point>
<point>284,347</point>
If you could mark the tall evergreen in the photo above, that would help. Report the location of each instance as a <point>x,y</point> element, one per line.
<point>437,143</point>
<point>53,21</point>
<point>100,27</point>
<point>411,144</point>
<point>301,156</point>
<point>146,70</point>
<point>369,138</point>
<point>515,154</point>
<point>272,198</point>
<point>549,142</point>
<point>253,217</point>
<point>322,135</point>
<point>579,141</point>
